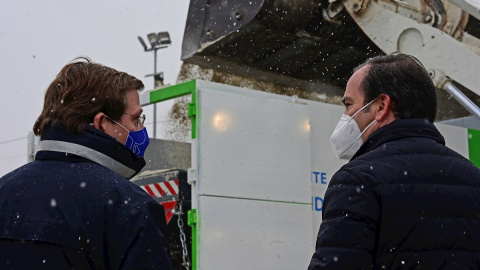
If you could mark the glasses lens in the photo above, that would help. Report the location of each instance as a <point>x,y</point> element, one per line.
<point>142,119</point>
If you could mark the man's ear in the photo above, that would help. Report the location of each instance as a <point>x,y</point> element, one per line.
<point>100,121</point>
<point>384,109</point>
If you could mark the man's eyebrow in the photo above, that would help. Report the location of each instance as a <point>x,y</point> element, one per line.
<point>345,99</point>
<point>136,114</point>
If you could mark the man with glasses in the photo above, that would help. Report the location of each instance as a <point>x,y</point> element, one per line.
<point>73,207</point>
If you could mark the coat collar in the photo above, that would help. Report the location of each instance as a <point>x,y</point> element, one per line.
<point>399,129</point>
<point>92,144</point>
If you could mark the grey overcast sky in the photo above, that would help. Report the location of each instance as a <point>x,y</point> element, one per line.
<point>38,37</point>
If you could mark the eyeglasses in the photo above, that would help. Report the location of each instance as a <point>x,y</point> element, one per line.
<point>140,119</point>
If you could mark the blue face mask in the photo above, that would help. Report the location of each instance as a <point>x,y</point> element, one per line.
<point>137,141</point>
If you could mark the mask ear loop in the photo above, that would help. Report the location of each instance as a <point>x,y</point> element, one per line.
<point>361,134</point>
<point>361,109</point>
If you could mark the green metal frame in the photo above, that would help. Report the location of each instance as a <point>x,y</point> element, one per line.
<point>192,222</point>
<point>171,92</point>
<point>179,90</point>
<point>474,146</point>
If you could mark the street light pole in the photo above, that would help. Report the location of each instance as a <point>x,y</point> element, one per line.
<point>157,41</point>
<point>155,87</point>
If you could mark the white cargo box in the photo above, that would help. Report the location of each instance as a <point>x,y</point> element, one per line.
<point>261,163</point>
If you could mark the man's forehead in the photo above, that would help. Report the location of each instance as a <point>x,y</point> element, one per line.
<point>352,94</point>
<point>352,91</point>
<point>133,102</point>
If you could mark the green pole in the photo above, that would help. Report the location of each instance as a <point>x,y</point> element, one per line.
<point>474,146</point>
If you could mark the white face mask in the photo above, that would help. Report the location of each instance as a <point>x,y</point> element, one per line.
<point>346,139</point>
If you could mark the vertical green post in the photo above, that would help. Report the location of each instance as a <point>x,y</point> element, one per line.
<point>192,113</point>
<point>192,222</point>
<point>474,146</point>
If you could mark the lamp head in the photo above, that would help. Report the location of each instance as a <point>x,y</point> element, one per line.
<point>143,43</point>
<point>164,38</point>
<point>152,38</point>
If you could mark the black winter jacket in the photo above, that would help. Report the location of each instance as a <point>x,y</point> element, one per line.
<point>66,211</point>
<point>404,201</point>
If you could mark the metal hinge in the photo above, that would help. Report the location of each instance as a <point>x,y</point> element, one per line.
<point>191,176</point>
<point>192,110</point>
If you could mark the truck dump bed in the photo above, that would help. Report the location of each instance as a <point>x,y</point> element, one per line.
<point>314,45</point>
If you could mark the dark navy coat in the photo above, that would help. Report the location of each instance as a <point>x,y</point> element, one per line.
<point>404,201</point>
<point>66,211</point>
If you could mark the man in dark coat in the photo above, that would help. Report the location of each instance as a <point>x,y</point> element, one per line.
<point>73,207</point>
<point>405,200</point>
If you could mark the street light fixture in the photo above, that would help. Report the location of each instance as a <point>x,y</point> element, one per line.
<point>157,41</point>
<point>152,38</point>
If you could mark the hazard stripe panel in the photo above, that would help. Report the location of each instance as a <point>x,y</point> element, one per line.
<point>158,190</point>
<point>161,189</point>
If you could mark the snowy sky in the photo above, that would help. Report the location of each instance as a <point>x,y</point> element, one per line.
<point>39,37</point>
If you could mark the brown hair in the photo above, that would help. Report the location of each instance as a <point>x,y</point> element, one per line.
<point>80,91</point>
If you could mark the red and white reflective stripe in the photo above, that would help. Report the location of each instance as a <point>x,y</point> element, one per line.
<point>161,189</point>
